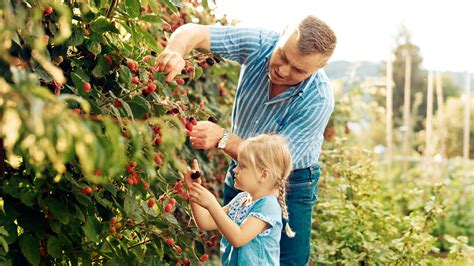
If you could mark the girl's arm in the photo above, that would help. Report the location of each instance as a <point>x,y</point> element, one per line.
<point>203,218</point>
<point>236,235</point>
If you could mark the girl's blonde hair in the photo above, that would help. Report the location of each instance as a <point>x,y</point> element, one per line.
<point>271,153</point>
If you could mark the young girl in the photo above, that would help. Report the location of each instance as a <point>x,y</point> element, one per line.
<point>251,223</point>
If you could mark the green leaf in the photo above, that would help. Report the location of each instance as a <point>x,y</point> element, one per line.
<point>102,201</point>
<point>129,204</point>
<point>30,248</point>
<point>125,74</point>
<point>81,101</point>
<point>102,25</point>
<point>197,73</point>
<point>127,109</point>
<point>151,18</point>
<point>4,244</point>
<point>86,259</point>
<point>101,68</point>
<point>91,229</point>
<point>93,47</point>
<point>133,8</point>
<point>28,196</point>
<point>54,247</point>
<point>55,226</point>
<point>77,37</point>
<point>58,209</point>
<point>170,5</point>
<point>171,219</point>
<point>139,106</point>
<point>12,230</point>
<point>150,41</point>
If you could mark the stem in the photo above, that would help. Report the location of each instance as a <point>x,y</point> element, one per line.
<point>110,11</point>
<point>2,159</point>
<point>121,96</point>
<point>141,243</point>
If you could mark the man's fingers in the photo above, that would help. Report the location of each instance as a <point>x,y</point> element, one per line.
<point>172,74</point>
<point>202,125</point>
<point>162,62</point>
<point>196,134</point>
<point>196,141</point>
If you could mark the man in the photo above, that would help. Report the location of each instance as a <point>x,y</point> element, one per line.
<point>281,90</point>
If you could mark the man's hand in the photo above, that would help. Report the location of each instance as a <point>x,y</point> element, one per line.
<point>205,135</point>
<point>200,195</point>
<point>171,62</point>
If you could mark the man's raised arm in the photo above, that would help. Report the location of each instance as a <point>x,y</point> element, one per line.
<point>181,42</point>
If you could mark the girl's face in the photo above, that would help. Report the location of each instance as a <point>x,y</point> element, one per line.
<point>246,178</point>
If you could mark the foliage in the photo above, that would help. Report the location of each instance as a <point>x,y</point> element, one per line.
<point>94,137</point>
<point>371,231</point>
<point>364,215</point>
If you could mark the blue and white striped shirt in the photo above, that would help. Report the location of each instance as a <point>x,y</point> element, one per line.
<point>300,113</point>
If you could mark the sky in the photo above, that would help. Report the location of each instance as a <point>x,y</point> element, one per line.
<point>444,30</point>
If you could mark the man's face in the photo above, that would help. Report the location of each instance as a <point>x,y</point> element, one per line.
<point>288,66</point>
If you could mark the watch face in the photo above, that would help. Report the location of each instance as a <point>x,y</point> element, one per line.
<point>221,144</point>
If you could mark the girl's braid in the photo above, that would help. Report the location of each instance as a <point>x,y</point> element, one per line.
<point>284,209</point>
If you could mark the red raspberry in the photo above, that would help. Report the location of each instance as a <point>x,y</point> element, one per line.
<point>158,159</point>
<point>168,207</point>
<point>170,242</point>
<point>47,10</point>
<point>86,190</point>
<point>158,141</point>
<point>86,87</point>
<point>186,262</point>
<point>147,58</point>
<point>117,103</point>
<point>151,203</point>
<point>204,257</point>
<point>179,81</point>
<point>146,186</point>
<point>172,201</point>
<point>135,80</point>
<point>189,126</point>
<point>179,249</point>
<point>132,65</point>
<point>151,88</point>
<point>108,59</point>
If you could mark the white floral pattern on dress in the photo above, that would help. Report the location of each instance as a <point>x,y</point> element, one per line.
<point>238,213</point>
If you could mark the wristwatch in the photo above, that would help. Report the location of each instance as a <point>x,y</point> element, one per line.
<point>223,141</point>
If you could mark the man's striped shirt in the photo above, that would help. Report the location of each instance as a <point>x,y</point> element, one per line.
<point>300,113</point>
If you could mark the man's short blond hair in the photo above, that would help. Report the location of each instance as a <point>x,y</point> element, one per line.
<point>315,36</point>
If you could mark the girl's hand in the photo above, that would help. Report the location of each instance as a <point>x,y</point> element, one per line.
<point>202,196</point>
<point>187,177</point>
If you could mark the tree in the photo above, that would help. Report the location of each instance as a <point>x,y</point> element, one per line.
<point>406,48</point>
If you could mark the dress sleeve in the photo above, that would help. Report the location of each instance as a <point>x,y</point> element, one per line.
<point>268,210</point>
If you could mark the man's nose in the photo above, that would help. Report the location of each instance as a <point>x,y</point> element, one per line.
<point>284,70</point>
